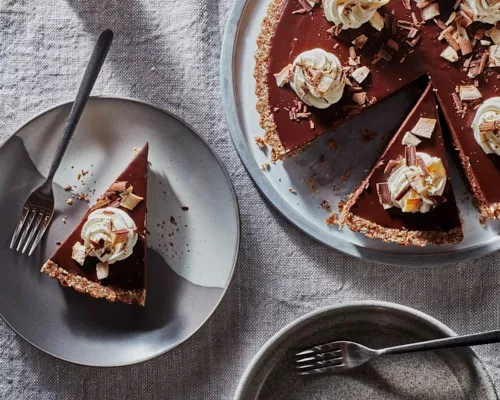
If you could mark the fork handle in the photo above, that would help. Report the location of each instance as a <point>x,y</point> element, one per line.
<point>93,68</point>
<point>445,343</point>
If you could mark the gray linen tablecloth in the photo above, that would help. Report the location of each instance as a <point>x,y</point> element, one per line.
<point>167,53</point>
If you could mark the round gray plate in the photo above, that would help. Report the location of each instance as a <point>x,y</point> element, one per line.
<point>191,254</point>
<point>303,206</point>
<point>446,374</point>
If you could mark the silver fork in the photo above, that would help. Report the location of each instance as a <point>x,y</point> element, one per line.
<point>39,208</point>
<point>343,356</point>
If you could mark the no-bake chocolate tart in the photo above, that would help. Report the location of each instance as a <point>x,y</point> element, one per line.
<point>407,197</point>
<point>105,255</point>
<point>319,63</point>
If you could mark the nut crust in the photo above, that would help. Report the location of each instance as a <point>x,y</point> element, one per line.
<point>94,289</point>
<point>262,55</point>
<point>401,236</point>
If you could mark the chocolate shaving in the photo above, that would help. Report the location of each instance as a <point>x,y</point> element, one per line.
<point>439,199</point>
<point>424,127</point>
<point>359,98</point>
<point>430,11</point>
<point>402,193</point>
<point>487,127</point>
<point>410,155</point>
<point>458,102</point>
<point>352,52</point>
<point>391,165</point>
<point>440,23</point>
<point>393,45</point>
<point>284,76</point>
<point>306,5</point>
<point>469,92</point>
<point>115,203</point>
<point>413,32</point>
<point>423,167</point>
<point>384,194</point>
<point>482,63</point>
<point>360,41</point>
<point>118,187</point>
<point>101,202</point>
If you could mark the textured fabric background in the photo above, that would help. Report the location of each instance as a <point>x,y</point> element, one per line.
<point>167,52</point>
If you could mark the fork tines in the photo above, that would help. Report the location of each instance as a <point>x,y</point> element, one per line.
<point>30,229</point>
<point>318,359</point>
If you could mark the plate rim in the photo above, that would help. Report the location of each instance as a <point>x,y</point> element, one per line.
<point>272,342</point>
<point>238,223</point>
<point>230,106</point>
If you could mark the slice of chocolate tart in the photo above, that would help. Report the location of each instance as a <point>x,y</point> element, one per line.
<point>407,198</point>
<point>105,255</point>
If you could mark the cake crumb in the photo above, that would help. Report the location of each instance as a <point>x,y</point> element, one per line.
<point>265,166</point>
<point>341,205</point>
<point>64,219</point>
<point>311,185</point>
<point>482,220</point>
<point>326,205</point>
<point>260,142</point>
<point>332,144</point>
<point>69,201</point>
<point>333,219</point>
<point>185,208</point>
<point>345,176</point>
<point>136,150</point>
<point>67,188</point>
<point>367,135</point>
<point>292,190</point>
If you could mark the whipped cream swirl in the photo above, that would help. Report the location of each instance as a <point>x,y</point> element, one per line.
<point>109,234</point>
<point>485,12</point>
<point>488,114</point>
<point>419,195</point>
<point>318,78</point>
<point>351,13</point>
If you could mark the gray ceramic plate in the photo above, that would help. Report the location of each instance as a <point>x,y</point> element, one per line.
<point>303,206</point>
<point>191,253</point>
<point>447,374</point>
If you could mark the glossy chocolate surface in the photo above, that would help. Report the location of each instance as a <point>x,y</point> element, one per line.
<point>445,216</point>
<point>128,273</point>
<point>386,78</point>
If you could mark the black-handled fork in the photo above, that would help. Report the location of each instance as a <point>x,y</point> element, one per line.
<point>39,208</point>
<point>342,356</point>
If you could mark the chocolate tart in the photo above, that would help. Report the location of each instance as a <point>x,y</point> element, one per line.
<point>126,281</point>
<point>364,213</point>
<point>286,34</point>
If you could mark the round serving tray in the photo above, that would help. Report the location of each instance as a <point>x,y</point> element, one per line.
<point>302,206</point>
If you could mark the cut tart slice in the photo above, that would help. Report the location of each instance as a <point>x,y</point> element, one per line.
<point>407,197</point>
<point>105,255</point>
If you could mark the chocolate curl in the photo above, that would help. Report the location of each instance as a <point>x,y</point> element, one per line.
<point>411,155</point>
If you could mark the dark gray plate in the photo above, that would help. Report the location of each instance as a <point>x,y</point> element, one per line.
<point>191,255</point>
<point>447,374</point>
